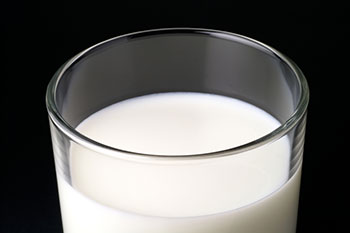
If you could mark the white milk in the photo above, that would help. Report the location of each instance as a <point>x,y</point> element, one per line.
<point>242,193</point>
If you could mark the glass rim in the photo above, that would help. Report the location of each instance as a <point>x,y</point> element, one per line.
<point>85,141</point>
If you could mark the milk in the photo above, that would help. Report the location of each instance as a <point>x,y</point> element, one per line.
<point>246,192</point>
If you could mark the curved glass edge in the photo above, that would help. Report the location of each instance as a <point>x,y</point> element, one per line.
<point>78,138</point>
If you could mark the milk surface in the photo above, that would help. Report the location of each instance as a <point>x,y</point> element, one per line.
<point>246,192</point>
<point>178,124</point>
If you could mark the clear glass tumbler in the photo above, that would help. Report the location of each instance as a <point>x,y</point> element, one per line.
<point>106,189</point>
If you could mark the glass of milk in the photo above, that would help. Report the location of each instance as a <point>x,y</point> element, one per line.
<point>178,130</point>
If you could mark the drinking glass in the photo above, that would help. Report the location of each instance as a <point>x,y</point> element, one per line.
<point>166,61</point>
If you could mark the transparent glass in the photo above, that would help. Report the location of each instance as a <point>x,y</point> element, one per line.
<point>162,61</point>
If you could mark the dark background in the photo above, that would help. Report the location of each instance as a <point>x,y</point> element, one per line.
<point>39,37</point>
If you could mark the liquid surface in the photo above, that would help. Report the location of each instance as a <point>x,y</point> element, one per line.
<point>178,124</point>
<point>173,124</point>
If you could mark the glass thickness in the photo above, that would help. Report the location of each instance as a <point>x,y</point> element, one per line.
<point>193,60</point>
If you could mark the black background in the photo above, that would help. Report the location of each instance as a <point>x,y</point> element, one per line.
<point>41,36</point>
